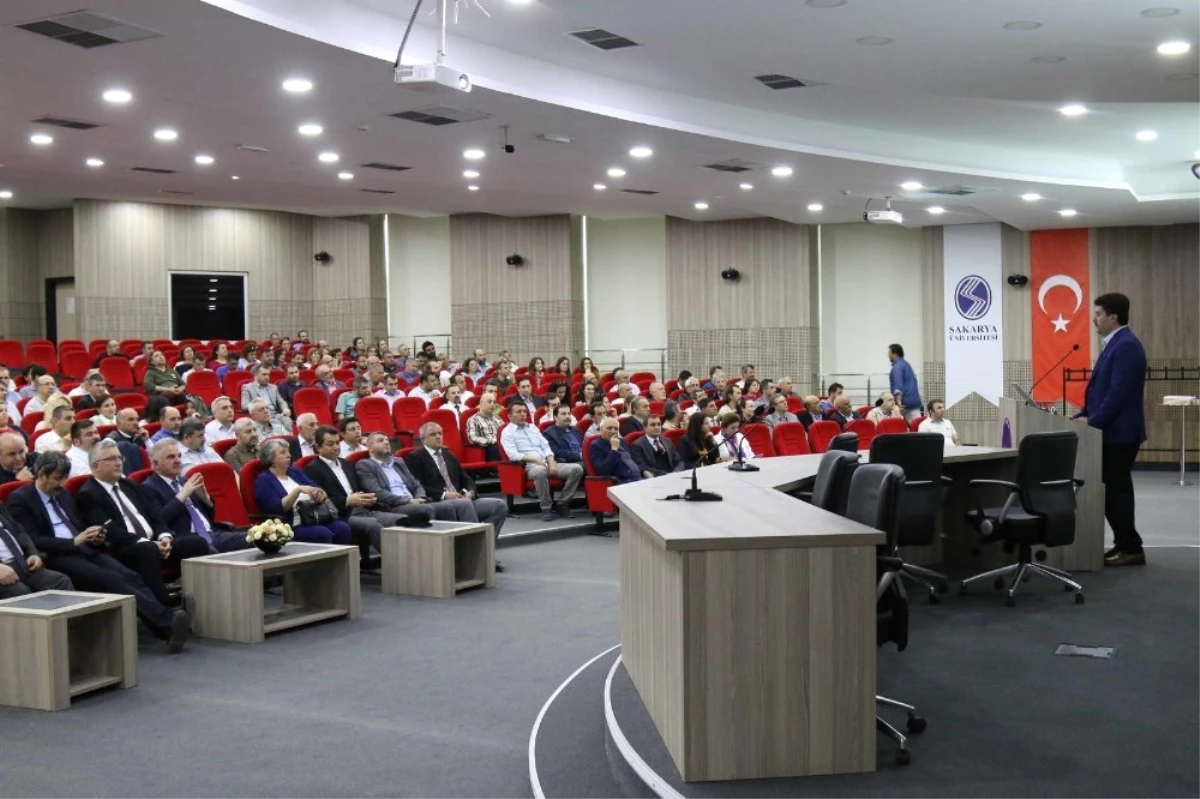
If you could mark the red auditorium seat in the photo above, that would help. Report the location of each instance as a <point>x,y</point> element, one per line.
<point>140,367</point>
<point>344,376</point>
<point>790,438</point>
<point>7,488</point>
<point>75,363</point>
<point>135,401</point>
<point>513,481</point>
<point>865,429</point>
<point>204,385</point>
<point>820,434</point>
<point>131,347</point>
<point>758,436</point>
<point>75,483</point>
<point>43,353</point>
<point>674,435</point>
<point>795,404</point>
<point>220,481</point>
<point>232,384</point>
<point>634,436</point>
<point>595,487</point>
<point>117,373</point>
<point>583,424</point>
<point>891,425</point>
<point>12,354</point>
<point>636,376</point>
<point>375,416</point>
<point>863,410</point>
<point>916,423</point>
<point>406,414</point>
<point>314,401</point>
<point>140,475</point>
<point>251,470</point>
<point>304,461</point>
<point>223,446</point>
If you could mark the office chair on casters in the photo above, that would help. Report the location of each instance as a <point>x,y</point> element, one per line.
<point>1039,511</point>
<point>831,490</point>
<point>845,442</point>
<point>920,456</point>
<point>875,492</point>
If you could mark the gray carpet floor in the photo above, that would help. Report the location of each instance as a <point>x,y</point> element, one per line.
<point>436,698</point>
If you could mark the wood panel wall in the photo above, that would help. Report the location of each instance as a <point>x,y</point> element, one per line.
<point>21,314</point>
<point>764,318</point>
<point>349,298</point>
<point>532,310</point>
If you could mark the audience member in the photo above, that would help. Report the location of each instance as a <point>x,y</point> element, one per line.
<point>657,392</point>
<point>325,380</point>
<point>22,571</point>
<point>503,378</point>
<point>268,425</point>
<point>523,442</point>
<point>183,502</point>
<point>599,412</point>
<point>752,389</point>
<point>566,442</point>
<point>716,380</point>
<point>106,412</point>
<point>731,441</point>
<point>290,385</point>
<point>246,448</point>
<point>260,388</point>
<point>111,350</point>
<point>390,391</point>
<point>84,436</point>
<point>44,388</point>
<point>454,400</point>
<point>779,412</point>
<point>221,426</point>
<point>145,353</point>
<point>52,404</point>
<point>483,427</point>
<point>639,412</point>
<point>611,456</point>
<point>427,388</point>
<point>162,379</point>
<point>698,447</point>
<point>394,487</point>
<point>169,418</point>
<point>672,417</point>
<point>351,430</point>
<point>283,490</point>
<point>14,455</point>
<point>812,411</point>
<point>525,394</point>
<point>653,453</point>
<point>411,375</point>
<point>902,383</point>
<point>843,412</point>
<point>194,448</point>
<point>938,423</point>
<point>47,513</point>
<point>588,393</point>
<point>885,407</point>
<point>128,430</point>
<point>832,393</point>
<point>94,389</point>
<point>58,438</point>
<point>349,399</point>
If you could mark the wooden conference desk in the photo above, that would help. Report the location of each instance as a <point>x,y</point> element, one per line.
<point>748,625</point>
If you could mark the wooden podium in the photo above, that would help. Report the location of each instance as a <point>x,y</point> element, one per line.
<point>1017,420</point>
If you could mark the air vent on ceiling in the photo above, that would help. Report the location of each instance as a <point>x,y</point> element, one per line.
<point>438,115</point>
<point>377,191</point>
<point>152,170</point>
<point>957,191</point>
<point>176,191</point>
<point>87,29</point>
<point>638,191</point>
<point>733,165</point>
<point>783,82</point>
<point>62,122</point>
<point>602,39</point>
<point>388,167</point>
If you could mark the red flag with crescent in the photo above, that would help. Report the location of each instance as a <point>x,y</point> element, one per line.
<point>1061,312</point>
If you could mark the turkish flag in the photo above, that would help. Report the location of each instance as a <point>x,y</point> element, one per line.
<point>1061,313</point>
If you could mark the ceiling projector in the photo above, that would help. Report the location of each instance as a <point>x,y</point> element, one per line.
<point>433,78</point>
<point>888,217</point>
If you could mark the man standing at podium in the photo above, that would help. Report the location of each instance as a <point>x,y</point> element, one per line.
<point>1113,404</point>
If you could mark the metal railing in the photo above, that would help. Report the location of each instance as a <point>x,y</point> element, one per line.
<point>440,340</point>
<point>864,386</point>
<point>632,360</point>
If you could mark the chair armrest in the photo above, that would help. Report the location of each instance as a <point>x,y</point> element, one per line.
<point>890,563</point>
<point>947,481</point>
<point>1014,492</point>
<point>804,496</point>
<point>1005,483</point>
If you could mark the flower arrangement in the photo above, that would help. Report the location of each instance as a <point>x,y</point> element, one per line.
<point>270,536</point>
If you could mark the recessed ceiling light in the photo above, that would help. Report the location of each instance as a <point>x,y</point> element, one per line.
<point>310,129</point>
<point>616,172</point>
<point>328,158</point>
<point>212,280</point>
<point>212,291</point>
<point>641,152</point>
<point>474,154</point>
<point>204,160</point>
<point>166,134</point>
<point>345,176</point>
<point>470,173</point>
<point>1159,13</point>
<point>782,171</point>
<point>1073,110</point>
<point>745,186</point>
<point>41,139</point>
<point>936,209</point>
<point>1048,59</point>
<point>1031,197</point>
<point>234,177</point>
<point>94,162</point>
<point>701,206</point>
<point>297,85</point>
<point>472,187</point>
<point>825,3</point>
<point>911,185</point>
<point>5,194</point>
<point>599,187</point>
<point>117,96</point>
<point>1146,135</point>
<point>874,41</point>
<point>1068,212</point>
<point>1022,25</point>
<point>1174,48</point>
<point>814,207</point>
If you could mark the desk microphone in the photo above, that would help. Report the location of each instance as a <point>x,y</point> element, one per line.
<point>740,464</point>
<point>694,494</point>
<point>1050,371</point>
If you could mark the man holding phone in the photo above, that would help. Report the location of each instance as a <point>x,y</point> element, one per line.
<point>47,513</point>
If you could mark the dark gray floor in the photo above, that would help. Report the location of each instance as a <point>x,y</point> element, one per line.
<point>436,698</point>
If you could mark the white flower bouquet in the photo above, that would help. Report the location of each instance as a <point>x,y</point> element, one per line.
<point>270,536</point>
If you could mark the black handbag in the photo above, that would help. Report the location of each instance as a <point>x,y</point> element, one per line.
<point>311,513</point>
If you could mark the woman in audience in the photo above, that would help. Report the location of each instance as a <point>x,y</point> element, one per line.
<point>56,401</point>
<point>730,440</point>
<point>281,490</point>
<point>752,390</point>
<point>187,359</point>
<point>672,418</point>
<point>106,410</point>
<point>558,389</point>
<point>588,369</point>
<point>537,372</point>
<point>885,407</point>
<point>381,346</point>
<point>314,357</point>
<point>249,357</point>
<point>562,369</point>
<point>161,380</point>
<point>587,393</point>
<point>154,408</point>
<point>471,369</point>
<point>747,409</point>
<point>220,354</point>
<point>356,348</point>
<point>697,447</point>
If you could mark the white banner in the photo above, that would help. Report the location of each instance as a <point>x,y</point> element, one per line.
<point>973,312</point>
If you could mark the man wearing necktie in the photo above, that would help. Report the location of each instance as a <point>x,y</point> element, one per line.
<point>184,503</point>
<point>21,570</point>
<point>134,531</point>
<point>654,454</point>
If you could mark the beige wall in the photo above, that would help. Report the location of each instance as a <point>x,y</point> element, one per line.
<point>348,295</point>
<point>627,289</point>
<point>419,264</point>
<point>21,292</point>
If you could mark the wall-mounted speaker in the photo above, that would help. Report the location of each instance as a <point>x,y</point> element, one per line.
<point>514,260</point>
<point>731,274</point>
<point>323,258</point>
<point>1018,280</point>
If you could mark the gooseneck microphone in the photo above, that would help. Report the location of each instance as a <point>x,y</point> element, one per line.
<point>1050,371</point>
<point>694,494</point>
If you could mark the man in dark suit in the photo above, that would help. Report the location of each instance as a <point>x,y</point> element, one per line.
<point>1113,404</point>
<point>639,412</point>
<point>525,394</point>
<point>812,411</point>
<point>654,454</point>
<point>21,570</point>
<point>134,532</point>
<point>183,503</point>
<point>442,476</point>
<point>392,484</point>
<point>337,478</point>
<point>14,458</point>
<point>610,455</point>
<point>45,511</point>
<point>843,412</point>
<point>128,431</point>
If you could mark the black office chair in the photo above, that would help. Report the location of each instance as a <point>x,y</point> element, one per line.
<point>831,491</point>
<point>920,456</point>
<point>875,492</point>
<point>1039,511</point>
<point>844,442</point>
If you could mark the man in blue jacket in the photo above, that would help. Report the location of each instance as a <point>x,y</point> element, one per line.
<point>903,383</point>
<point>611,456</point>
<point>1113,404</point>
<point>566,442</point>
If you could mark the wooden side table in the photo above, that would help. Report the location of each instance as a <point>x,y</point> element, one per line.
<point>56,645</point>
<point>439,560</point>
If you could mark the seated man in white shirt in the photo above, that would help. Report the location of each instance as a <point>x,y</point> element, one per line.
<point>221,426</point>
<point>454,400</point>
<point>83,435</point>
<point>427,389</point>
<point>351,430</point>
<point>886,409</point>
<point>194,449</point>
<point>522,441</point>
<point>390,391</point>
<point>44,388</point>
<point>937,423</point>
<point>59,437</point>
<point>306,430</point>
